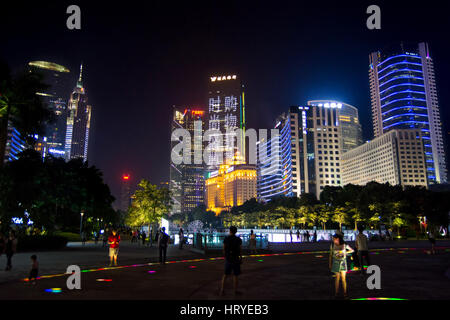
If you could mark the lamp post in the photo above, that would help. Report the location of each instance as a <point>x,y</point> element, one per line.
<point>81,221</point>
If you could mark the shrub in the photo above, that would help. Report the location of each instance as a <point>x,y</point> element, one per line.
<point>49,242</point>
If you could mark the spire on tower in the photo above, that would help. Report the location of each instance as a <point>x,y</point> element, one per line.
<point>79,82</point>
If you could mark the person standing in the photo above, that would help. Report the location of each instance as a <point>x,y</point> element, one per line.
<point>150,238</point>
<point>113,240</point>
<point>432,240</point>
<point>362,248</point>
<point>315,236</point>
<point>2,244</point>
<point>144,236</point>
<point>307,236</point>
<point>290,234</point>
<point>105,239</point>
<point>163,241</point>
<point>181,238</point>
<point>232,249</point>
<point>338,262</point>
<point>298,235</point>
<point>10,249</point>
<point>34,269</point>
<point>252,242</point>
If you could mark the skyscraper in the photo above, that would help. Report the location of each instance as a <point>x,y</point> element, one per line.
<point>57,78</point>
<point>226,111</point>
<point>348,122</point>
<point>78,123</point>
<point>274,167</point>
<point>15,144</point>
<point>125,193</point>
<point>404,96</point>
<point>187,181</point>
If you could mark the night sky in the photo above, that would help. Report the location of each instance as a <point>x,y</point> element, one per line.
<point>141,58</point>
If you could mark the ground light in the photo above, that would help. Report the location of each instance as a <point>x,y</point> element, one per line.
<point>379,299</point>
<point>104,280</point>
<point>54,290</point>
<point>152,271</point>
<point>376,251</point>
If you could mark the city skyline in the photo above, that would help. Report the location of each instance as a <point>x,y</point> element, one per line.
<point>307,62</point>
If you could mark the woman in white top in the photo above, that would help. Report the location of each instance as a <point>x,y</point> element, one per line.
<point>338,262</point>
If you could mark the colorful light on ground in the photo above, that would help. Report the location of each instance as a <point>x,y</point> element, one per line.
<point>260,260</point>
<point>192,267</point>
<point>104,280</point>
<point>379,299</point>
<point>319,256</point>
<point>152,271</point>
<point>54,290</point>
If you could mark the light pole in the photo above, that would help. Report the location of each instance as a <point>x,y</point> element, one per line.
<point>81,221</point>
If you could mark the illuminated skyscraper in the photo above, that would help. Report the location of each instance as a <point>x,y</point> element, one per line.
<point>57,78</point>
<point>274,167</point>
<point>187,181</point>
<point>226,111</point>
<point>78,123</point>
<point>404,96</point>
<point>14,144</point>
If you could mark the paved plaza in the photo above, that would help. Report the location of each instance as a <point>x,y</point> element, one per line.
<point>407,272</point>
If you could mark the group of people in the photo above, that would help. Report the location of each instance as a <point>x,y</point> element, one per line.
<point>162,239</point>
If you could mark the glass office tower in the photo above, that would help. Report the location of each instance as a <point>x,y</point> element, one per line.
<point>404,96</point>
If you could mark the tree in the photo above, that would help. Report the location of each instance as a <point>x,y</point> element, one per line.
<point>150,204</point>
<point>324,213</point>
<point>340,216</point>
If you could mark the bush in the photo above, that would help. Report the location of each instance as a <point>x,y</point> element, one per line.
<point>32,243</point>
<point>71,236</point>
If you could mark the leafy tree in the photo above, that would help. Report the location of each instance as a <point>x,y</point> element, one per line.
<point>340,216</point>
<point>150,204</point>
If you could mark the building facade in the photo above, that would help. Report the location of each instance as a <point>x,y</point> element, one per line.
<point>55,97</point>
<point>274,166</point>
<point>187,182</point>
<point>396,157</point>
<point>226,112</point>
<point>318,139</point>
<point>404,96</point>
<point>15,144</point>
<point>78,123</point>
<point>231,185</point>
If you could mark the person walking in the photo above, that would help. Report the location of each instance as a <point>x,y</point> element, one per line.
<point>113,240</point>
<point>315,236</point>
<point>150,238</point>
<point>163,242</point>
<point>181,238</point>
<point>338,262</point>
<point>105,239</point>
<point>307,236</point>
<point>252,242</point>
<point>298,235</point>
<point>232,249</point>
<point>96,236</point>
<point>83,238</point>
<point>290,234</point>
<point>10,249</point>
<point>362,248</point>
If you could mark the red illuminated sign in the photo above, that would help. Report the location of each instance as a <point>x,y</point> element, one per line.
<point>126,177</point>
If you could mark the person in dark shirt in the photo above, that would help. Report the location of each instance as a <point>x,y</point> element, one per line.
<point>233,259</point>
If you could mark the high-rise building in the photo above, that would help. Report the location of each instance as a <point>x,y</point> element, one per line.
<point>125,193</point>
<point>396,157</point>
<point>55,97</point>
<point>187,181</point>
<point>226,111</point>
<point>404,96</point>
<point>78,123</point>
<point>230,186</point>
<point>14,144</point>
<point>318,140</point>
<point>348,122</point>
<point>274,167</point>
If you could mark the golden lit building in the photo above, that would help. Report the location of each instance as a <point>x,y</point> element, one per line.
<point>231,185</point>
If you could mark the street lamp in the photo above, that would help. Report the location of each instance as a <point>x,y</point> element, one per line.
<point>81,221</point>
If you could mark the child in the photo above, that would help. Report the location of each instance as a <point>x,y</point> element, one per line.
<point>338,262</point>
<point>34,269</point>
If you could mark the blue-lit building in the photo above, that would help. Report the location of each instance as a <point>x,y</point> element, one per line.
<point>14,144</point>
<point>404,96</point>
<point>274,167</point>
